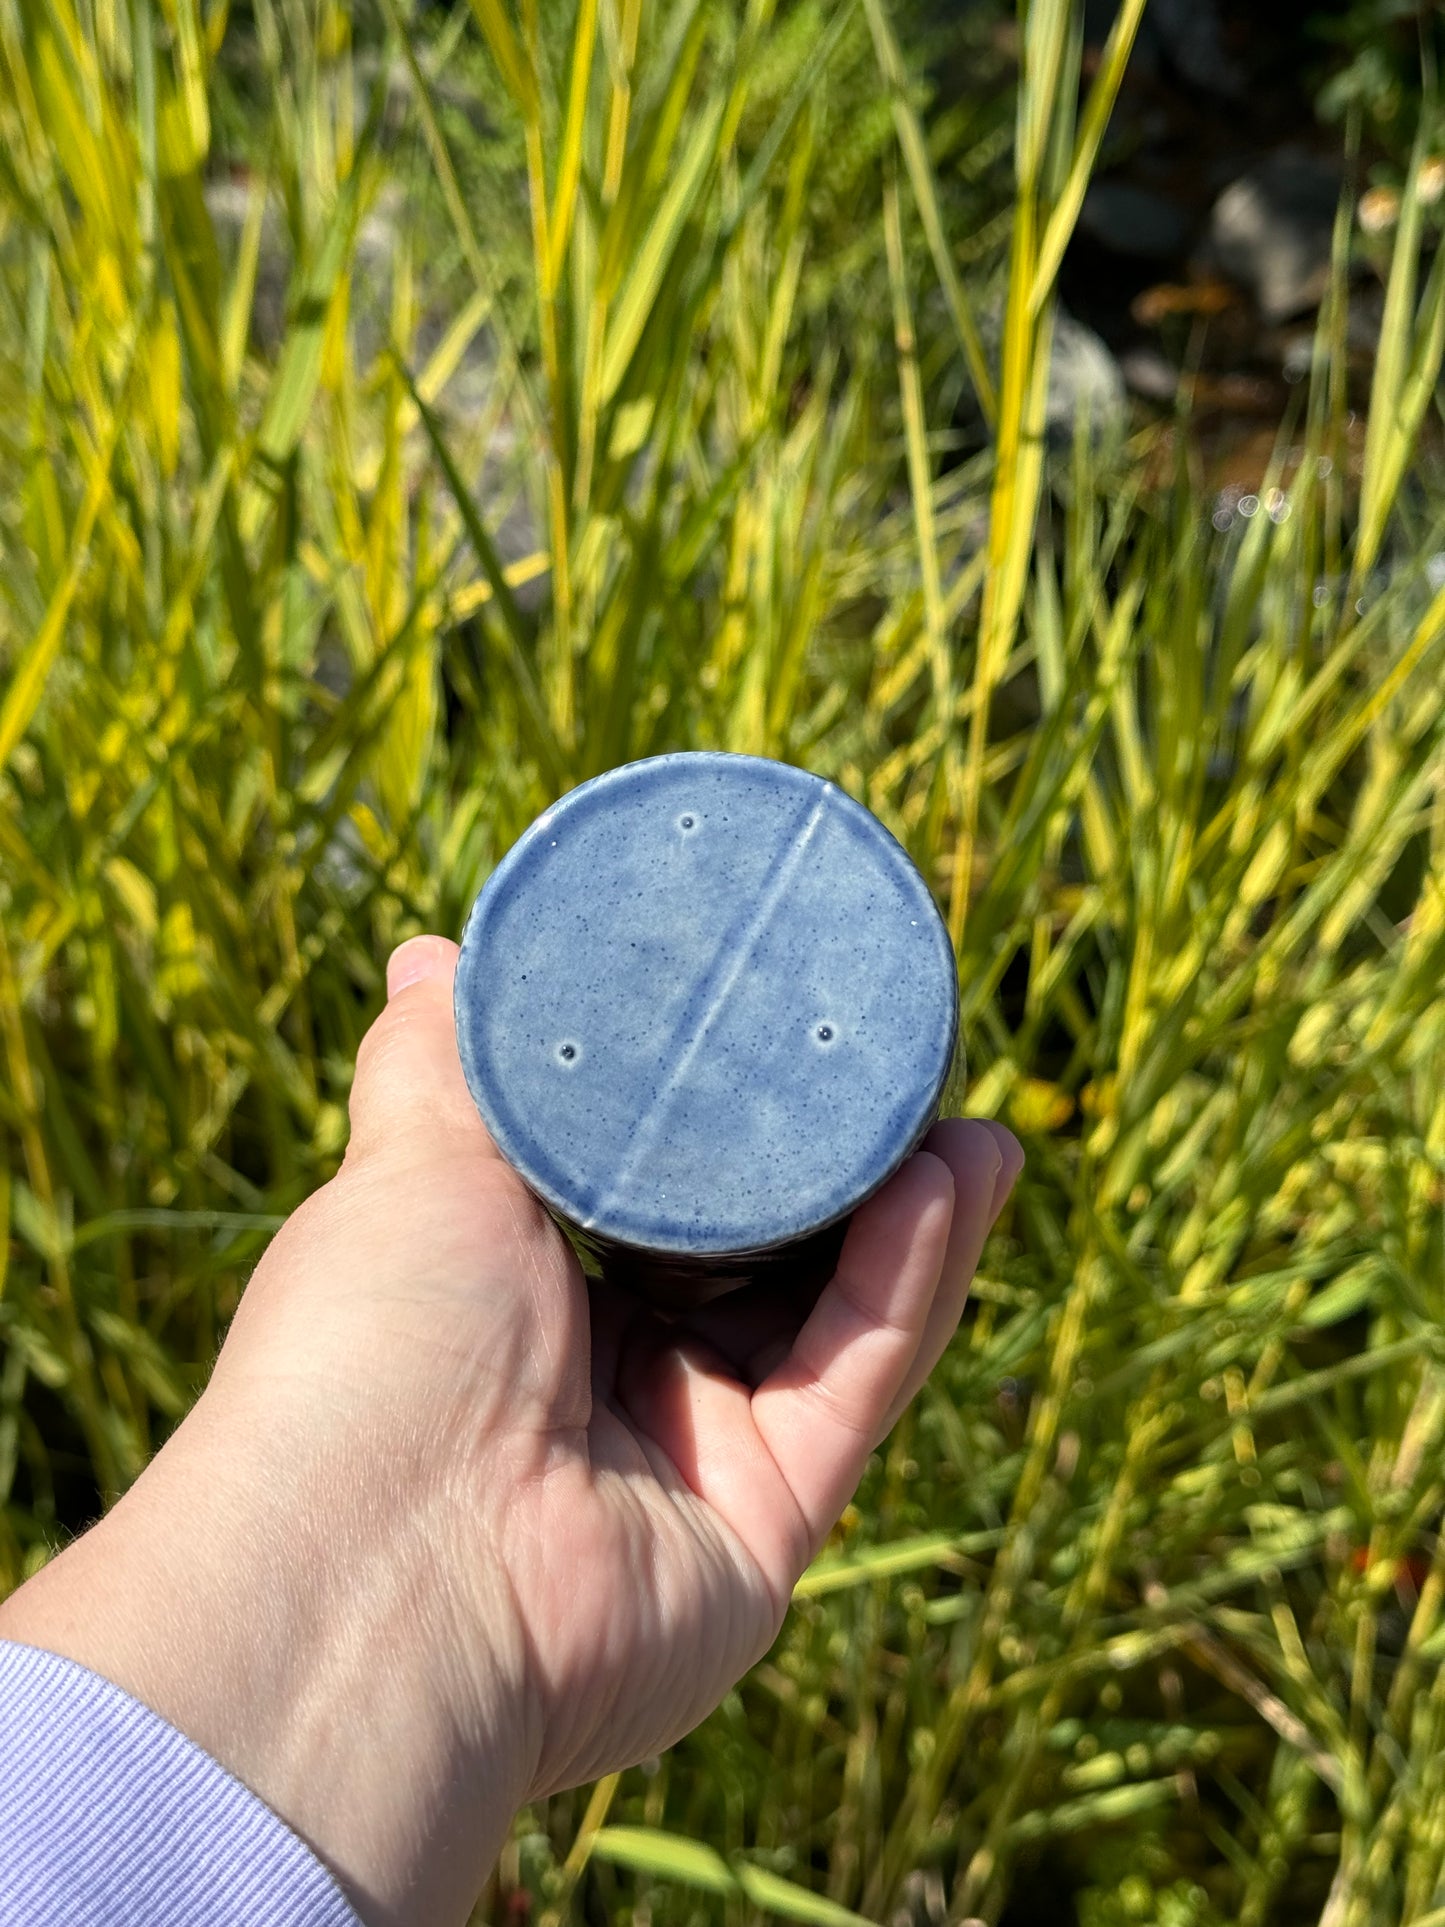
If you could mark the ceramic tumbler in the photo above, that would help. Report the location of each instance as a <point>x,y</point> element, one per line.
<point>706,1006</point>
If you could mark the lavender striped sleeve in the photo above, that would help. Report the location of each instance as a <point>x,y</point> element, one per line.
<point>109,1817</point>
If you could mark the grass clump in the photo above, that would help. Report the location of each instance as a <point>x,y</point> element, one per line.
<point>605,403</point>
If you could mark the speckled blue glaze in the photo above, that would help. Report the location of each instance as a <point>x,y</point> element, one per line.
<point>706,1005</point>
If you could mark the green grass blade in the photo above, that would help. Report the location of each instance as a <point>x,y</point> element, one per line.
<point>691,1864</point>
<point>1103,92</point>
<point>293,387</point>
<point>920,176</point>
<point>657,249</point>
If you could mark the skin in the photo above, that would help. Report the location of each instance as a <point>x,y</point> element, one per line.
<point>451,1529</point>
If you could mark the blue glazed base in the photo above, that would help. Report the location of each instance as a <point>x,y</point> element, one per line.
<point>706,1005</point>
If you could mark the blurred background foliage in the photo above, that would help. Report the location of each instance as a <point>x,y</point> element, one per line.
<point>1028,421</point>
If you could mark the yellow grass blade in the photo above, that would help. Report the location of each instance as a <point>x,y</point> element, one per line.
<point>1103,92</point>
<point>569,164</point>
<point>920,176</point>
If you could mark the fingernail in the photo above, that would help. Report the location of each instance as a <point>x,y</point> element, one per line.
<point>410,962</point>
<point>1011,1162</point>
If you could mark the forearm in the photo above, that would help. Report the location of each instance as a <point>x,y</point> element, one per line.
<point>293,1644</point>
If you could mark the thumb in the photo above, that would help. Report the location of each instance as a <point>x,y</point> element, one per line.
<point>409,1097</point>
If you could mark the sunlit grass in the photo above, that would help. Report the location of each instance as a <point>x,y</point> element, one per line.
<point>643,440</point>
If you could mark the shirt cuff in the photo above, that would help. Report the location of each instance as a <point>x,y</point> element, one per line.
<point>110,1817</point>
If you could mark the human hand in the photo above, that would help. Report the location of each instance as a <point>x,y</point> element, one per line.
<point>451,1528</point>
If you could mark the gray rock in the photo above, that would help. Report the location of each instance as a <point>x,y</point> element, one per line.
<point>228,202</point>
<point>373,251</point>
<point>372,255</point>
<point>468,398</point>
<point>1270,232</point>
<point>1136,222</point>
<point>1084,380</point>
<point>1150,374</point>
<point>1187,36</point>
<point>1191,36</point>
<point>444,88</point>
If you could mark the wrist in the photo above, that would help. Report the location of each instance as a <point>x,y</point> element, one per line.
<point>316,1659</point>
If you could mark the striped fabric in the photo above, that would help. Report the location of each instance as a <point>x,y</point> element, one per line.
<point>109,1817</point>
